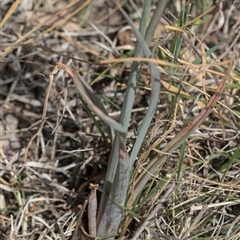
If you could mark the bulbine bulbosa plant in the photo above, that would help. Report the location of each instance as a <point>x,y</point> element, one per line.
<point>107,221</point>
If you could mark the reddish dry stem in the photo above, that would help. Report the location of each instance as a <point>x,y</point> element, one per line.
<point>92,210</point>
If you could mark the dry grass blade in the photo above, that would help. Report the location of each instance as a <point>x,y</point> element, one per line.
<point>10,12</point>
<point>51,76</point>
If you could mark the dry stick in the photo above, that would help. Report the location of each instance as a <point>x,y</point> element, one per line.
<point>9,12</point>
<point>79,222</point>
<point>55,70</point>
<point>163,236</point>
<point>61,231</point>
<point>182,64</point>
<point>233,224</point>
<point>65,92</point>
<point>179,138</point>
<point>231,46</point>
<point>197,219</point>
<point>168,64</point>
<point>227,186</point>
<point>220,20</point>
